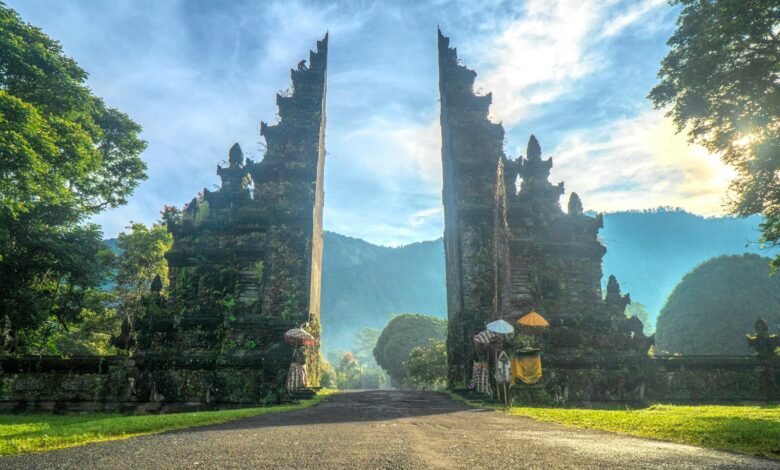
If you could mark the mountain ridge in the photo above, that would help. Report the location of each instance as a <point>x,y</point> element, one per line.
<point>649,251</point>
<point>364,285</point>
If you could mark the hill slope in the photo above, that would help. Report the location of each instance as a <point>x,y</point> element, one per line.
<point>649,252</point>
<point>363,284</point>
<point>716,304</point>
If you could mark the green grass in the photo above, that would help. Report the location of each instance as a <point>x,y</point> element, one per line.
<point>753,430</point>
<point>25,433</point>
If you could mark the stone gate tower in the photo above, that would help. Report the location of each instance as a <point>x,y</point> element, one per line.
<point>472,149</point>
<point>510,251</point>
<point>246,263</point>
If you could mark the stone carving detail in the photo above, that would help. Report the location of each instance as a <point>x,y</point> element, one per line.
<point>762,342</point>
<point>575,205</point>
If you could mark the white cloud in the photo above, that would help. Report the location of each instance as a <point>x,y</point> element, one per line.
<point>527,61</point>
<point>421,146</point>
<point>197,78</point>
<point>539,57</point>
<point>423,216</point>
<point>629,163</point>
<point>388,186</point>
<point>634,14</point>
<point>200,77</point>
<point>640,163</point>
<point>398,151</point>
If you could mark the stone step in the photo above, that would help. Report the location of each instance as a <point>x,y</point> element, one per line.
<point>305,394</point>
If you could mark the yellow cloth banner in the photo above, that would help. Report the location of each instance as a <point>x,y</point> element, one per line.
<point>527,368</point>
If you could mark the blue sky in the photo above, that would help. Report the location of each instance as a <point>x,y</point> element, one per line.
<point>200,75</point>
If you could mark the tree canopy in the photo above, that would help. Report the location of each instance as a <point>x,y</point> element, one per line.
<point>717,304</point>
<point>721,84</point>
<point>427,366</point>
<point>61,145</point>
<point>401,335</point>
<point>141,259</point>
<point>639,310</point>
<point>64,156</point>
<point>365,342</point>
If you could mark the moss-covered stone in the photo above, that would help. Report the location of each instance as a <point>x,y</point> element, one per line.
<point>245,264</point>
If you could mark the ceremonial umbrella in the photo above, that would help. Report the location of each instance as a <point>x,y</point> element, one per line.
<point>501,327</point>
<point>483,339</point>
<point>300,337</point>
<point>534,324</point>
<point>533,319</point>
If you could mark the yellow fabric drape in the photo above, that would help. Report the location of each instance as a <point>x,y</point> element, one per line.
<point>527,368</point>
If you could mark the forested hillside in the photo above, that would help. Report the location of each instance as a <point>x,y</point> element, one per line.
<point>649,252</point>
<point>363,284</point>
<point>717,304</point>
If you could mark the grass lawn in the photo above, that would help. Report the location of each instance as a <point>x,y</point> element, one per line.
<point>753,430</point>
<point>39,432</point>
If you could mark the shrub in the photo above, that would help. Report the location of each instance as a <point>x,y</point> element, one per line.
<point>427,366</point>
<point>401,335</point>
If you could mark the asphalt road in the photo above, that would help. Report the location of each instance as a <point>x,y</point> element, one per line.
<point>386,429</point>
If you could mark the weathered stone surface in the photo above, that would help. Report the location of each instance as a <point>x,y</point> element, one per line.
<point>593,379</point>
<point>56,384</point>
<point>472,148</point>
<point>511,249</point>
<point>245,265</point>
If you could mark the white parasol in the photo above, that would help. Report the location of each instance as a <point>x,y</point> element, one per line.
<point>501,327</point>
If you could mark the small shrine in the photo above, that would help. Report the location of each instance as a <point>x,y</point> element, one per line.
<point>513,352</point>
<point>763,343</point>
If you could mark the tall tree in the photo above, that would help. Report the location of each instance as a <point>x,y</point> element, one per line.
<point>427,366</point>
<point>401,335</point>
<point>48,271</point>
<point>721,82</point>
<point>64,156</point>
<point>349,372</point>
<point>365,342</point>
<point>141,260</point>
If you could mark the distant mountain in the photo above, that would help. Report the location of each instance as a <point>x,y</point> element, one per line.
<point>363,284</point>
<point>649,252</point>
